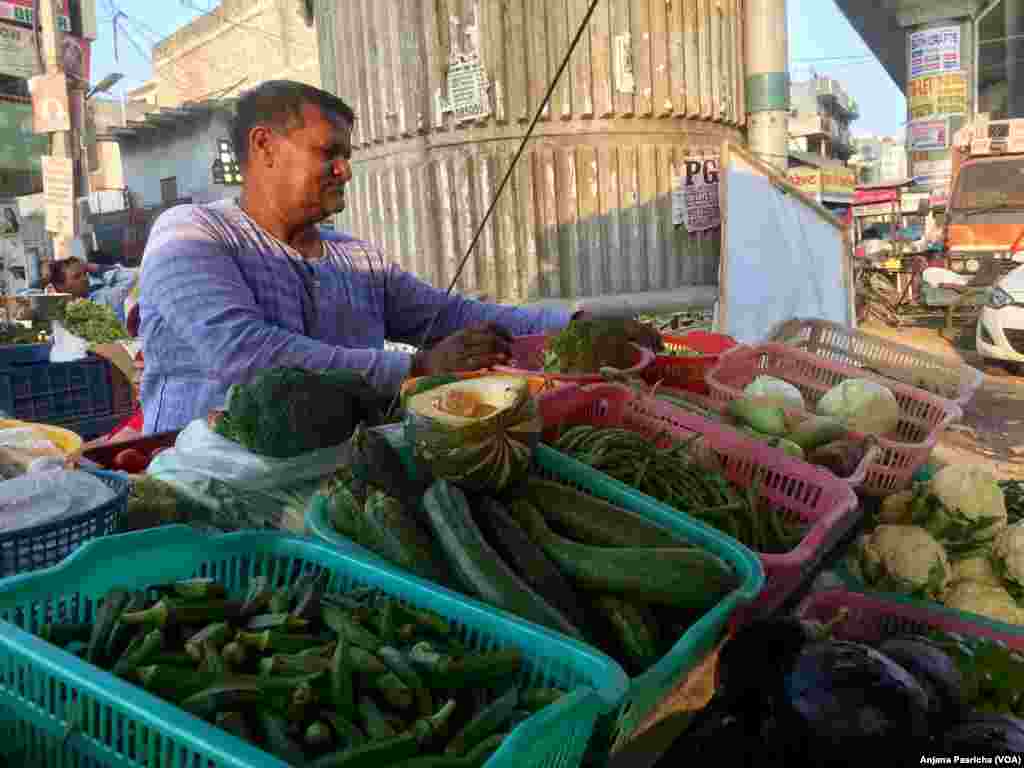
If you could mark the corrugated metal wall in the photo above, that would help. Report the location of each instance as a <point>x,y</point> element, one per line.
<point>589,208</point>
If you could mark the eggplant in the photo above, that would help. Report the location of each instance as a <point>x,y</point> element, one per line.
<point>753,664</point>
<point>844,702</point>
<point>937,673</point>
<point>985,735</point>
<point>719,736</point>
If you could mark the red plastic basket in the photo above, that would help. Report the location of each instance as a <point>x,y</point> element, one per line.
<point>954,381</point>
<point>872,619</point>
<point>528,359</point>
<point>923,416</point>
<point>799,490</point>
<point>688,372</point>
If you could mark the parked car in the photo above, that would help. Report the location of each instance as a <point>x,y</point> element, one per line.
<point>1000,330</point>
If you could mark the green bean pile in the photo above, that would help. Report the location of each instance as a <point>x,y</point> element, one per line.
<point>673,476</point>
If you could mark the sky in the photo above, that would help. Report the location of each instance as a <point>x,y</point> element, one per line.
<point>820,37</point>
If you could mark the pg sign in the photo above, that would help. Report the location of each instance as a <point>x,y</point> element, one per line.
<point>695,195</point>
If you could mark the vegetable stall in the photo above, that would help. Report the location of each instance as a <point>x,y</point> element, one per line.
<point>542,562</point>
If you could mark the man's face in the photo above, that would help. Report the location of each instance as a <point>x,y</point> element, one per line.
<point>76,281</point>
<point>312,166</point>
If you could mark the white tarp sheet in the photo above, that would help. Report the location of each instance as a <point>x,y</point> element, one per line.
<point>783,256</point>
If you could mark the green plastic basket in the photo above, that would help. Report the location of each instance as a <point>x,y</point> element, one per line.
<point>648,689</point>
<point>57,710</point>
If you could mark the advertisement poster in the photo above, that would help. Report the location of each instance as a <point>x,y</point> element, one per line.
<point>807,180</point>
<point>934,51</point>
<point>20,12</point>
<point>50,103</point>
<point>838,182</point>
<point>17,52</point>
<point>938,95</point>
<point>59,195</point>
<point>695,197</point>
<point>928,135</point>
<point>20,147</point>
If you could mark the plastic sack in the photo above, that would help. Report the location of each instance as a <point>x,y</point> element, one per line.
<point>46,497</point>
<point>67,347</point>
<point>237,489</point>
<point>24,449</point>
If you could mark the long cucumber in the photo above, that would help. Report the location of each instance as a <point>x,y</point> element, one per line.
<point>676,576</point>
<point>476,563</point>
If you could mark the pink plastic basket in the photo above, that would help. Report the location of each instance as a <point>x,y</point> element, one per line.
<point>954,381</point>
<point>528,359</point>
<point>923,416</point>
<point>872,619</point>
<point>799,490</point>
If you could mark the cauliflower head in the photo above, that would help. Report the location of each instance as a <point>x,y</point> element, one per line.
<point>1008,553</point>
<point>984,599</point>
<point>903,558</point>
<point>977,569</point>
<point>970,509</point>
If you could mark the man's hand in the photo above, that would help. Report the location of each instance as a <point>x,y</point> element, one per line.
<point>470,349</point>
<point>639,333</point>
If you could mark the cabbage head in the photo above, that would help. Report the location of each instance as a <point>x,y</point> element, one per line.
<point>862,405</point>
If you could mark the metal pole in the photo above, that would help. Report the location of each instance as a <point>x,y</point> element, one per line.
<point>766,46</point>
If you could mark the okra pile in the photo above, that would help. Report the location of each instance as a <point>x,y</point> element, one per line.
<point>317,679</point>
<point>675,476</point>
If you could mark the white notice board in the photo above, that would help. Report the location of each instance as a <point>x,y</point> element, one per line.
<point>783,255</point>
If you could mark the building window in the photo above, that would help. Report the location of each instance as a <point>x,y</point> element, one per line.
<point>1000,63</point>
<point>169,189</point>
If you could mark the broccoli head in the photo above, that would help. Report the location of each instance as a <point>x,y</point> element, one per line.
<point>587,344</point>
<point>286,412</point>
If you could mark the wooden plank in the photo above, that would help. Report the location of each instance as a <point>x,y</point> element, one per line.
<point>445,192</point>
<point>661,77</point>
<point>640,20</point>
<point>624,101</point>
<point>517,86</point>
<point>488,247</point>
<point>558,43</point>
<point>540,72</point>
<point>582,84</point>
<point>691,44</point>
<point>390,68</point>
<point>741,65</point>
<point>589,211</point>
<point>568,224</point>
<point>494,56</point>
<point>648,174</point>
<point>717,58</point>
<point>601,58</point>
<point>528,255</point>
<point>733,73</point>
<point>356,37</point>
<point>374,84</point>
<point>436,61</point>
<point>547,220</point>
<point>629,276</point>
<point>466,217</point>
<point>707,107</point>
<point>677,57</point>
<point>666,252</point>
<point>611,215</point>
<point>397,232</point>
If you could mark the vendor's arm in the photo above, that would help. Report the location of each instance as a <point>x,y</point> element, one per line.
<point>191,278</point>
<point>411,303</point>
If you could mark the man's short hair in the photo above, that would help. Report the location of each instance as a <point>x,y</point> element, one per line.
<point>58,269</point>
<point>277,104</point>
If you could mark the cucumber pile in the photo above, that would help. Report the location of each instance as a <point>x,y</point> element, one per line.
<point>317,679</point>
<point>547,553</point>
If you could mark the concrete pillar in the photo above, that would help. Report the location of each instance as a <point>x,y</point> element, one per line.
<point>1015,56</point>
<point>767,80</point>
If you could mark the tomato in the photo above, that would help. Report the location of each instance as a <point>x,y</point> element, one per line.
<point>131,460</point>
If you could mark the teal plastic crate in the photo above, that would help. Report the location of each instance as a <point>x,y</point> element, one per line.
<point>648,689</point>
<point>57,710</point>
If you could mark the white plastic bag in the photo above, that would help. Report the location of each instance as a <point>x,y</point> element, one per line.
<point>66,346</point>
<point>238,488</point>
<point>25,449</point>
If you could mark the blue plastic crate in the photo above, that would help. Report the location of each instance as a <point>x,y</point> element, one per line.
<point>56,709</point>
<point>42,546</point>
<point>36,390</point>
